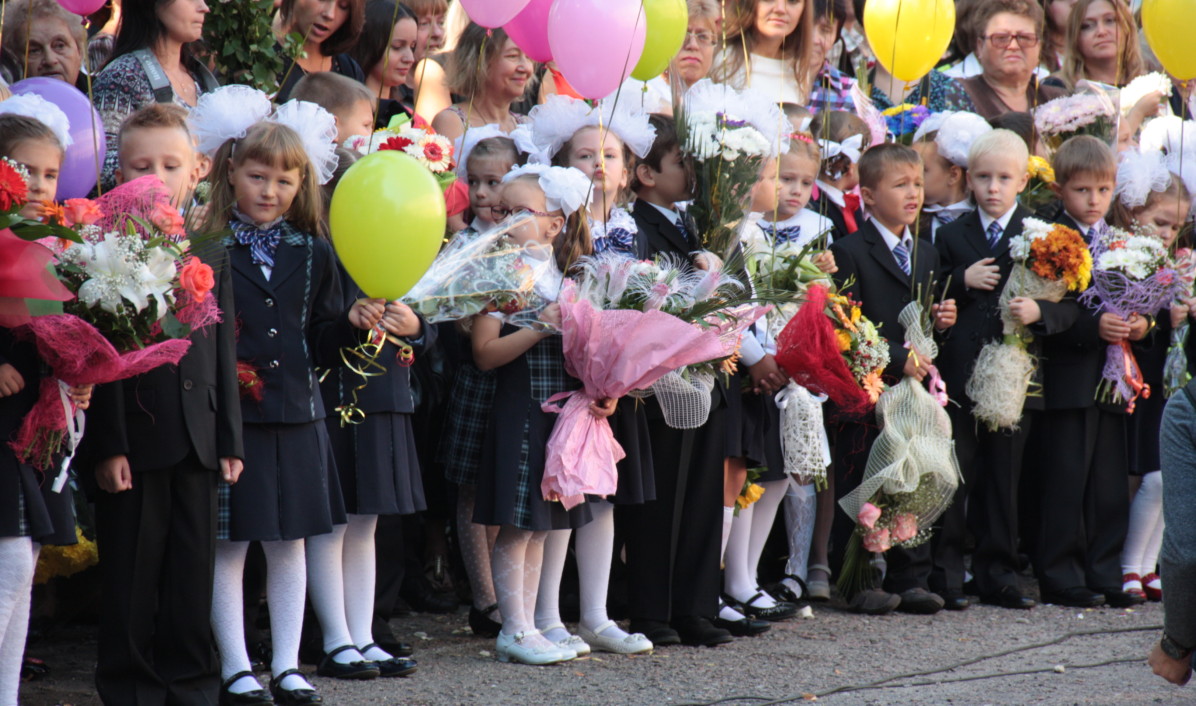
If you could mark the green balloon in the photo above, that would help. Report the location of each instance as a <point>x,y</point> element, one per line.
<point>667,22</point>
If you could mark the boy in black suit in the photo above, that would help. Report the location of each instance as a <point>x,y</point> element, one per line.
<point>158,444</point>
<point>883,266</point>
<point>1085,459</point>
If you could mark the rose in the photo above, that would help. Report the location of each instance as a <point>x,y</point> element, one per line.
<point>868,515</point>
<point>166,218</point>
<point>196,278</point>
<point>82,212</point>
<point>877,541</point>
<point>905,527</point>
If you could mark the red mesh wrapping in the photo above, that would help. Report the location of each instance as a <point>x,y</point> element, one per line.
<point>808,350</point>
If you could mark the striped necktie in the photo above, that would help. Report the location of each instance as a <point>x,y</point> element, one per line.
<point>994,234</point>
<point>901,253</point>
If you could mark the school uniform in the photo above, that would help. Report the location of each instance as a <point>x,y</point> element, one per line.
<point>157,540</point>
<point>934,217</point>
<point>869,272</point>
<point>991,462</point>
<point>843,210</point>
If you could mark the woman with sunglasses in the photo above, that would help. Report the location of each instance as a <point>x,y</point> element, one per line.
<point>1008,42</point>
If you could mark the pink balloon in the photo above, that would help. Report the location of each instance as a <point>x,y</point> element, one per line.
<point>529,30</point>
<point>81,7</point>
<point>596,43</point>
<point>491,13</point>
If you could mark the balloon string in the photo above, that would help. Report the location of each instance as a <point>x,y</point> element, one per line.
<point>95,148</point>
<point>394,19</point>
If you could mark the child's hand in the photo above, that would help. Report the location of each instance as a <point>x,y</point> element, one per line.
<point>11,380</point>
<point>604,407</point>
<point>983,274</point>
<point>81,395</point>
<point>767,376</point>
<point>230,469</point>
<point>1113,328</point>
<point>400,320</point>
<point>944,314</point>
<point>551,314</point>
<point>32,210</point>
<point>1179,312</point>
<point>1024,310</point>
<point>825,261</point>
<point>114,475</point>
<point>706,260</point>
<point>1139,326</point>
<point>366,313</point>
<point>914,366</point>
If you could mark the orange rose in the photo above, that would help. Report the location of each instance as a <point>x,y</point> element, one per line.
<point>167,219</point>
<point>196,278</point>
<point>81,212</point>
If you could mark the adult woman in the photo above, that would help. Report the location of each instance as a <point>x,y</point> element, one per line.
<point>1008,39</point>
<point>151,63</point>
<point>768,49</point>
<point>691,64</point>
<point>426,85</point>
<point>493,72</point>
<point>50,39</point>
<point>329,29</point>
<point>1055,43</point>
<point>386,52</point>
<point>1101,46</point>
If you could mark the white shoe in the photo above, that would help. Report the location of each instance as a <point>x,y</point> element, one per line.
<point>574,643</point>
<point>633,644</point>
<point>512,648</point>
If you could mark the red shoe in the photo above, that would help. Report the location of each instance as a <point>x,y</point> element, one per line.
<point>1152,585</point>
<point>1131,583</point>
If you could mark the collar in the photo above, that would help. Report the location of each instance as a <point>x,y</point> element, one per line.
<point>1085,227</point>
<point>987,220</point>
<point>669,213</point>
<point>960,207</point>
<point>794,220</point>
<point>892,240</point>
<point>250,222</point>
<point>832,193</point>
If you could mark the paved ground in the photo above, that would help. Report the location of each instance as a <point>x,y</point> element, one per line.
<point>789,665</point>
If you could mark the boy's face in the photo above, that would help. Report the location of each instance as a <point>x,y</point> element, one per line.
<point>995,181</point>
<point>896,199</point>
<point>672,181</point>
<point>356,119</point>
<point>1086,197</point>
<point>167,153</point>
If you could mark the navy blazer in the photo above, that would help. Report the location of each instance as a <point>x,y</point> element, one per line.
<point>657,234</point>
<point>289,325</point>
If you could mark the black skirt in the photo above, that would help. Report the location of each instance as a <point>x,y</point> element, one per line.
<point>378,465</point>
<point>29,507</point>
<point>289,489</point>
<point>637,480</point>
<point>761,427</point>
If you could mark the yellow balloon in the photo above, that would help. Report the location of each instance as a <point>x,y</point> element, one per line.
<point>387,221</point>
<point>667,22</point>
<point>909,36</point>
<point>1166,24</point>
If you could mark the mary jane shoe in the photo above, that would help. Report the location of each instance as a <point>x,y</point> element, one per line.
<point>512,648</point>
<point>633,644</point>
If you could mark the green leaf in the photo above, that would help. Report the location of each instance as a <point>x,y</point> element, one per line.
<point>174,328</point>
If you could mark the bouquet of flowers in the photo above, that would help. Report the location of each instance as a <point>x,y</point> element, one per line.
<point>1175,368</point>
<point>728,134</point>
<point>139,293</point>
<point>1140,87</point>
<point>1132,275</point>
<point>903,120</point>
<point>912,472</point>
<point>1038,190</point>
<point>1089,112</point>
<point>787,267</point>
<point>14,196</point>
<point>433,151</point>
<point>1049,260</point>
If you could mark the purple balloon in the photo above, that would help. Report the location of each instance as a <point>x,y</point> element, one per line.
<point>596,43</point>
<point>86,153</point>
<point>492,13</point>
<point>529,30</point>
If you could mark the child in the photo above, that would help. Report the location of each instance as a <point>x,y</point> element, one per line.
<point>1143,206</point>
<point>843,137</point>
<point>1085,458</point>
<point>350,102</point>
<point>943,140</point>
<point>484,165</point>
<point>159,444</point>
<point>883,267</point>
<point>530,369</point>
<point>38,144</point>
<point>289,302</point>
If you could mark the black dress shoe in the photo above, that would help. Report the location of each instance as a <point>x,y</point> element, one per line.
<point>1009,597</point>
<point>292,697</point>
<point>745,627</point>
<point>697,631</point>
<point>361,669</point>
<point>659,633</point>
<point>1076,597</point>
<point>779,611</point>
<point>396,666</point>
<point>1117,598</point>
<point>919,601</point>
<point>481,624</point>
<point>257,697</point>
<point>955,600</point>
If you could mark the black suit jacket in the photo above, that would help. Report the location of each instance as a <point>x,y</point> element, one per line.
<point>156,419</point>
<point>870,274</point>
<point>657,234</point>
<point>961,244</point>
<point>826,207</point>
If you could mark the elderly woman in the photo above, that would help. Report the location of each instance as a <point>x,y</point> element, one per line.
<point>490,70</point>
<point>1008,40</point>
<point>50,39</point>
<point>1101,45</point>
<point>329,29</point>
<point>691,64</point>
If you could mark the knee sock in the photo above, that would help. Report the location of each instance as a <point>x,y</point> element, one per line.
<point>326,586</point>
<point>228,617</point>
<point>286,584</point>
<point>17,561</point>
<point>475,549</point>
<point>514,549</point>
<point>728,519</point>
<point>595,551</point>
<point>1146,515</point>
<point>548,599</point>
<point>800,512</point>
<point>360,576</point>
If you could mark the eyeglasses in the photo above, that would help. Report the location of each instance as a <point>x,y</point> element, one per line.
<point>703,39</point>
<point>1001,40</point>
<point>501,212</point>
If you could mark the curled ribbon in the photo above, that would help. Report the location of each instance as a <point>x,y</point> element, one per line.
<point>1132,376</point>
<point>363,360</point>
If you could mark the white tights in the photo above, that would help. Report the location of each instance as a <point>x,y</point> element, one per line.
<point>515,565</point>
<point>18,557</point>
<point>1145,537</point>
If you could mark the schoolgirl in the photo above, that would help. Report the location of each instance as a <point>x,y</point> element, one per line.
<point>842,137</point>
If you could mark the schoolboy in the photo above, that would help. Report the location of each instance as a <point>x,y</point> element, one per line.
<point>349,101</point>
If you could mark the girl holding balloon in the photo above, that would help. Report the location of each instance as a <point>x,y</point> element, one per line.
<point>769,48</point>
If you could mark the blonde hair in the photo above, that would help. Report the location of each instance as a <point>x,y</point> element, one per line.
<point>1129,58</point>
<point>1002,142</point>
<point>704,11</point>
<point>803,144</point>
<point>278,146</point>
<point>741,28</point>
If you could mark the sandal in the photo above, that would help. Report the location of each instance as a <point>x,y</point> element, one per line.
<point>819,589</point>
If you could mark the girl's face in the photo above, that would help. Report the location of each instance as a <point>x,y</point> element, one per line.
<point>317,20</point>
<point>1057,12</point>
<point>183,19</point>
<point>509,72</point>
<point>797,175</point>
<point>42,159</point>
<point>776,19</point>
<point>264,192</point>
<point>53,52</point>
<point>697,53</point>
<point>396,64</point>
<point>525,197</point>
<point>485,185</point>
<point>1099,32</point>
<point>599,155</point>
<point>431,35</point>
<point>937,174</point>
<point>1164,217</point>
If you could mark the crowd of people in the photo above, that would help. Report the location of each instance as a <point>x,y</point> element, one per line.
<point>202,513</point>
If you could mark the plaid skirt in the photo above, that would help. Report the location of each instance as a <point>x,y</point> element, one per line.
<point>465,426</point>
